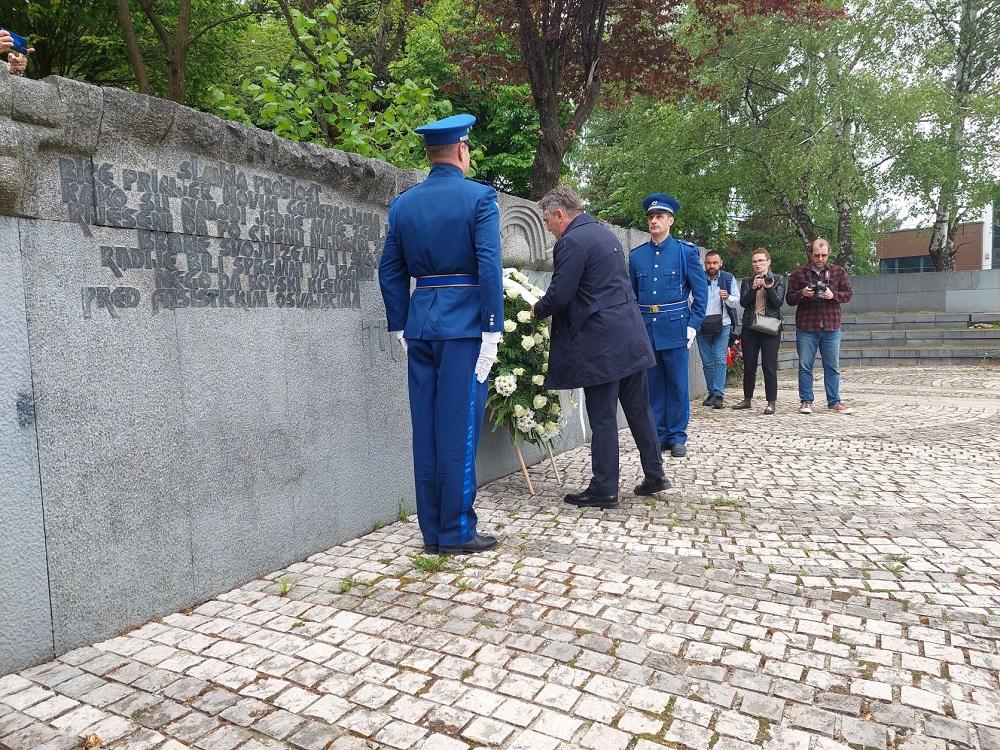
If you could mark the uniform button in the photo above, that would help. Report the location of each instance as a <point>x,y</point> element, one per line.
<point>654,320</point>
<point>654,278</point>
<point>655,266</point>
<point>654,292</point>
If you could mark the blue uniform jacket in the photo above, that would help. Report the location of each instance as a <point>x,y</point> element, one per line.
<point>597,334</point>
<point>444,225</point>
<point>664,274</point>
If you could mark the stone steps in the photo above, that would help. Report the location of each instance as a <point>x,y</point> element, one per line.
<point>905,321</point>
<point>932,336</point>
<point>907,339</point>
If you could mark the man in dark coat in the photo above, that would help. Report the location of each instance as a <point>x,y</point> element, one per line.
<point>599,344</point>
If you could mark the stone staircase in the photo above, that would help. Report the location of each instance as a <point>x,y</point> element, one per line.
<point>908,339</point>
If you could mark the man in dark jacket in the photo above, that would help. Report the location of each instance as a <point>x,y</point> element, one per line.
<point>599,344</point>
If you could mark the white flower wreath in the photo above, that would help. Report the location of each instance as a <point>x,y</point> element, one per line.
<point>518,399</point>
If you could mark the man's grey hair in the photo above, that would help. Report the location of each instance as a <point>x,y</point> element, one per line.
<point>561,197</point>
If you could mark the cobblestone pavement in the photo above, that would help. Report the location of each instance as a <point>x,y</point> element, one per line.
<point>824,581</point>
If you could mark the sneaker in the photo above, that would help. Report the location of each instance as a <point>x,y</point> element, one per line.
<point>806,407</point>
<point>708,401</point>
<point>840,407</point>
<point>718,403</point>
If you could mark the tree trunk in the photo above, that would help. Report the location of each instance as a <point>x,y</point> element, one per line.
<point>798,214</point>
<point>942,244</point>
<point>177,57</point>
<point>845,233</point>
<point>547,166</point>
<point>135,60</point>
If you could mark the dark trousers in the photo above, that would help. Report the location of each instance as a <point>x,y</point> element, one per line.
<point>602,410</point>
<point>765,347</point>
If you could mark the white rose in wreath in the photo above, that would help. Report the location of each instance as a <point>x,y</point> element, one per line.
<point>537,379</point>
<point>518,371</point>
<point>524,316</point>
<point>539,402</point>
<point>509,326</point>
<point>527,343</point>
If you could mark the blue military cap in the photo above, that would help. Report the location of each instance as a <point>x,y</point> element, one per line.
<point>661,202</point>
<point>449,130</point>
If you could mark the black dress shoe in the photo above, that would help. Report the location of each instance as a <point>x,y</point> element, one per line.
<point>649,485</point>
<point>430,549</point>
<point>477,544</point>
<point>587,499</point>
<point>744,404</point>
<point>718,403</point>
<point>678,450</point>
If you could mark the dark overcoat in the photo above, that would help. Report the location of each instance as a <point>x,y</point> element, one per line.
<point>597,330</point>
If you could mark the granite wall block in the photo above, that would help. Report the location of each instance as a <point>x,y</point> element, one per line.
<point>25,619</point>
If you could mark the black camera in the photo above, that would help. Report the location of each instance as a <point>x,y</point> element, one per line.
<point>818,288</point>
<point>767,279</point>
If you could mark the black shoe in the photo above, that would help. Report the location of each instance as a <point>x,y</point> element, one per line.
<point>430,549</point>
<point>744,404</point>
<point>769,409</point>
<point>587,499</point>
<point>664,447</point>
<point>477,544</point>
<point>649,485</point>
<point>678,450</point>
<point>718,403</point>
<point>708,401</point>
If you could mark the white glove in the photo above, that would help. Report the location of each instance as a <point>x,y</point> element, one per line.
<point>402,341</point>
<point>487,355</point>
<point>527,296</point>
<point>691,334</point>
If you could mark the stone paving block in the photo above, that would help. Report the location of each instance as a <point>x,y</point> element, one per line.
<point>923,743</point>
<point>400,735</point>
<point>190,727</point>
<point>487,732</point>
<point>600,737</point>
<point>555,724</point>
<point>529,740</point>
<point>79,719</point>
<point>223,738</point>
<point>29,737</point>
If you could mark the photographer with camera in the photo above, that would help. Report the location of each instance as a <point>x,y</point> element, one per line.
<point>17,50</point>
<point>819,289</point>
<point>761,296</point>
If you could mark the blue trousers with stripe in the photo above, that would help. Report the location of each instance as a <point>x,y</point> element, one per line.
<point>668,395</point>
<point>446,409</point>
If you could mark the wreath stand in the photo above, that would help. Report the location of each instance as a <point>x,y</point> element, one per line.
<point>524,467</point>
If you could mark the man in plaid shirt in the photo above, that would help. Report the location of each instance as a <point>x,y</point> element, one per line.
<point>818,289</point>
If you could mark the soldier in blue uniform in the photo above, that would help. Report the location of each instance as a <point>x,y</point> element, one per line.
<point>669,283</point>
<point>445,233</point>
